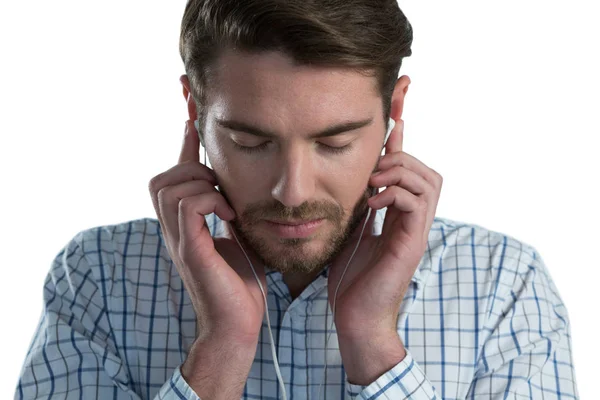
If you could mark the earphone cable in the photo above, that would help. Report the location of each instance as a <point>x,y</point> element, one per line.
<point>335,297</point>
<point>276,362</point>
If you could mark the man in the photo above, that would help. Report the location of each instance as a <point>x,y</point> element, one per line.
<point>292,101</point>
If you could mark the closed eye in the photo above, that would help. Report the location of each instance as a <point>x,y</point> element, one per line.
<point>263,146</point>
<point>251,149</point>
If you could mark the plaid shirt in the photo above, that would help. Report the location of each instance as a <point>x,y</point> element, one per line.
<point>481,318</point>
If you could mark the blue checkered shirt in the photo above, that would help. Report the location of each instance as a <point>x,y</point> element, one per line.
<point>481,318</point>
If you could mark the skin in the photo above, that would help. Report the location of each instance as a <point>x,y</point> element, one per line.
<point>293,176</point>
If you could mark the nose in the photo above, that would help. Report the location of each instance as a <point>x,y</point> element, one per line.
<point>296,180</point>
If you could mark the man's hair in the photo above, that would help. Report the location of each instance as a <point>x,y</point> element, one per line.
<point>370,37</point>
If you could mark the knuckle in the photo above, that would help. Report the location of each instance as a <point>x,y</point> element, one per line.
<point>395,190</point>
<point>438,177</point>
<point>402,181</point>
<point>185,204</point>
<point>152,185</point>
<point>163,195</point>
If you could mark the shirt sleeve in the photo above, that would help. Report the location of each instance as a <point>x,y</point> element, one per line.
<point>406,380</point>
<point>73,353</point>
<point>527,353</point>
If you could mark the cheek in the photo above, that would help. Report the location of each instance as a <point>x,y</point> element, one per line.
<point>346,185</point>
<point>242,184</point>
<point>351,173</point>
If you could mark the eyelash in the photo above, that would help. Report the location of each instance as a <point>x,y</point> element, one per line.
<point>263,146</point>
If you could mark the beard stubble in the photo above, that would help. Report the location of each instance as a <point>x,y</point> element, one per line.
<point>292,255</point>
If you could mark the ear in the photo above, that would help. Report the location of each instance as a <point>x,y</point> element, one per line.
<point>191,104</point>
<point>187,94</point>
<point>398,97</point>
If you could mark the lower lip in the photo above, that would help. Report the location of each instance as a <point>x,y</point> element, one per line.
<point>295,231</point>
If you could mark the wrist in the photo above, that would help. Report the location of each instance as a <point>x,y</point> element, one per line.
<point>366,358</point>
<point>218,369</point>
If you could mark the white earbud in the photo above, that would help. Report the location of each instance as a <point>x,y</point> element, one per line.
<point>391,126</point>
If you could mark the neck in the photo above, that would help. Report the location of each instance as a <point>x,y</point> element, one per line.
<point>298,281</point>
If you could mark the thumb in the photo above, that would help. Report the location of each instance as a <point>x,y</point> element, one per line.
<point>190,149</point>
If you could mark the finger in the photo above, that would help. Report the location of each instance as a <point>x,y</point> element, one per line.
<point>368,230</point>
<point>404,177</point>
<point>396,196</point>
<point>410,162</point>
<point>178,174</point>
<point>414,183</point>
<point>168,202</point>
<point>196,242</point>
<point>394,143</point>
<point>209,275</point>
<point>190,149</point>
<point>432,204</point>
<point>228,248</point>
<point>401,199</point>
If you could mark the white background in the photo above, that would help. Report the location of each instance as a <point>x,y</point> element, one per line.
<point>503,103</point>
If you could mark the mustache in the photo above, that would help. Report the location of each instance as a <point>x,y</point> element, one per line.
<point>255,212</point>
<point>306,211</point>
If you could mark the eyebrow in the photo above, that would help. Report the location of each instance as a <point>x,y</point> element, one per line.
<point>330,131</point>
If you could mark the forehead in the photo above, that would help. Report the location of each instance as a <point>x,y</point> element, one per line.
<point>271,86</point>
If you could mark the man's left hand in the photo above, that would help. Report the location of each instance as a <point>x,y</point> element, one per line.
<point>372,289</point>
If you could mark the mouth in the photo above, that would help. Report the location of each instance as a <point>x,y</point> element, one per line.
<point>294,229</point>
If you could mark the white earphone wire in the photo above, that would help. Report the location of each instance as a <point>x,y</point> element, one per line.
<point>276,363</point>
<point>335,297</point>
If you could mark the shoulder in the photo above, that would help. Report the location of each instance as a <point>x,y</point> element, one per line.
<point>499,262</point>
<point>110,244</point>
<point>498,249</point>
<point>115,258</point>
<point>121,250</point>
<point>492,272</point>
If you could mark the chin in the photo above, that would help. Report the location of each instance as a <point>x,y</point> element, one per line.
<point>304,255</point>
<point>300,255</point>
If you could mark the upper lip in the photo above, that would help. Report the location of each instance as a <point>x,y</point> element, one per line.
<point>297,222</point>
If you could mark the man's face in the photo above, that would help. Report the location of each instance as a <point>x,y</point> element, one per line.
<point>292,175</point>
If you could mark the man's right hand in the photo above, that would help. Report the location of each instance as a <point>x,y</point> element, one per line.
<point>226,297</point>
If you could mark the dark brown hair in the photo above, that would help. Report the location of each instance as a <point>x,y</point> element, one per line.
<point>368,36</point>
